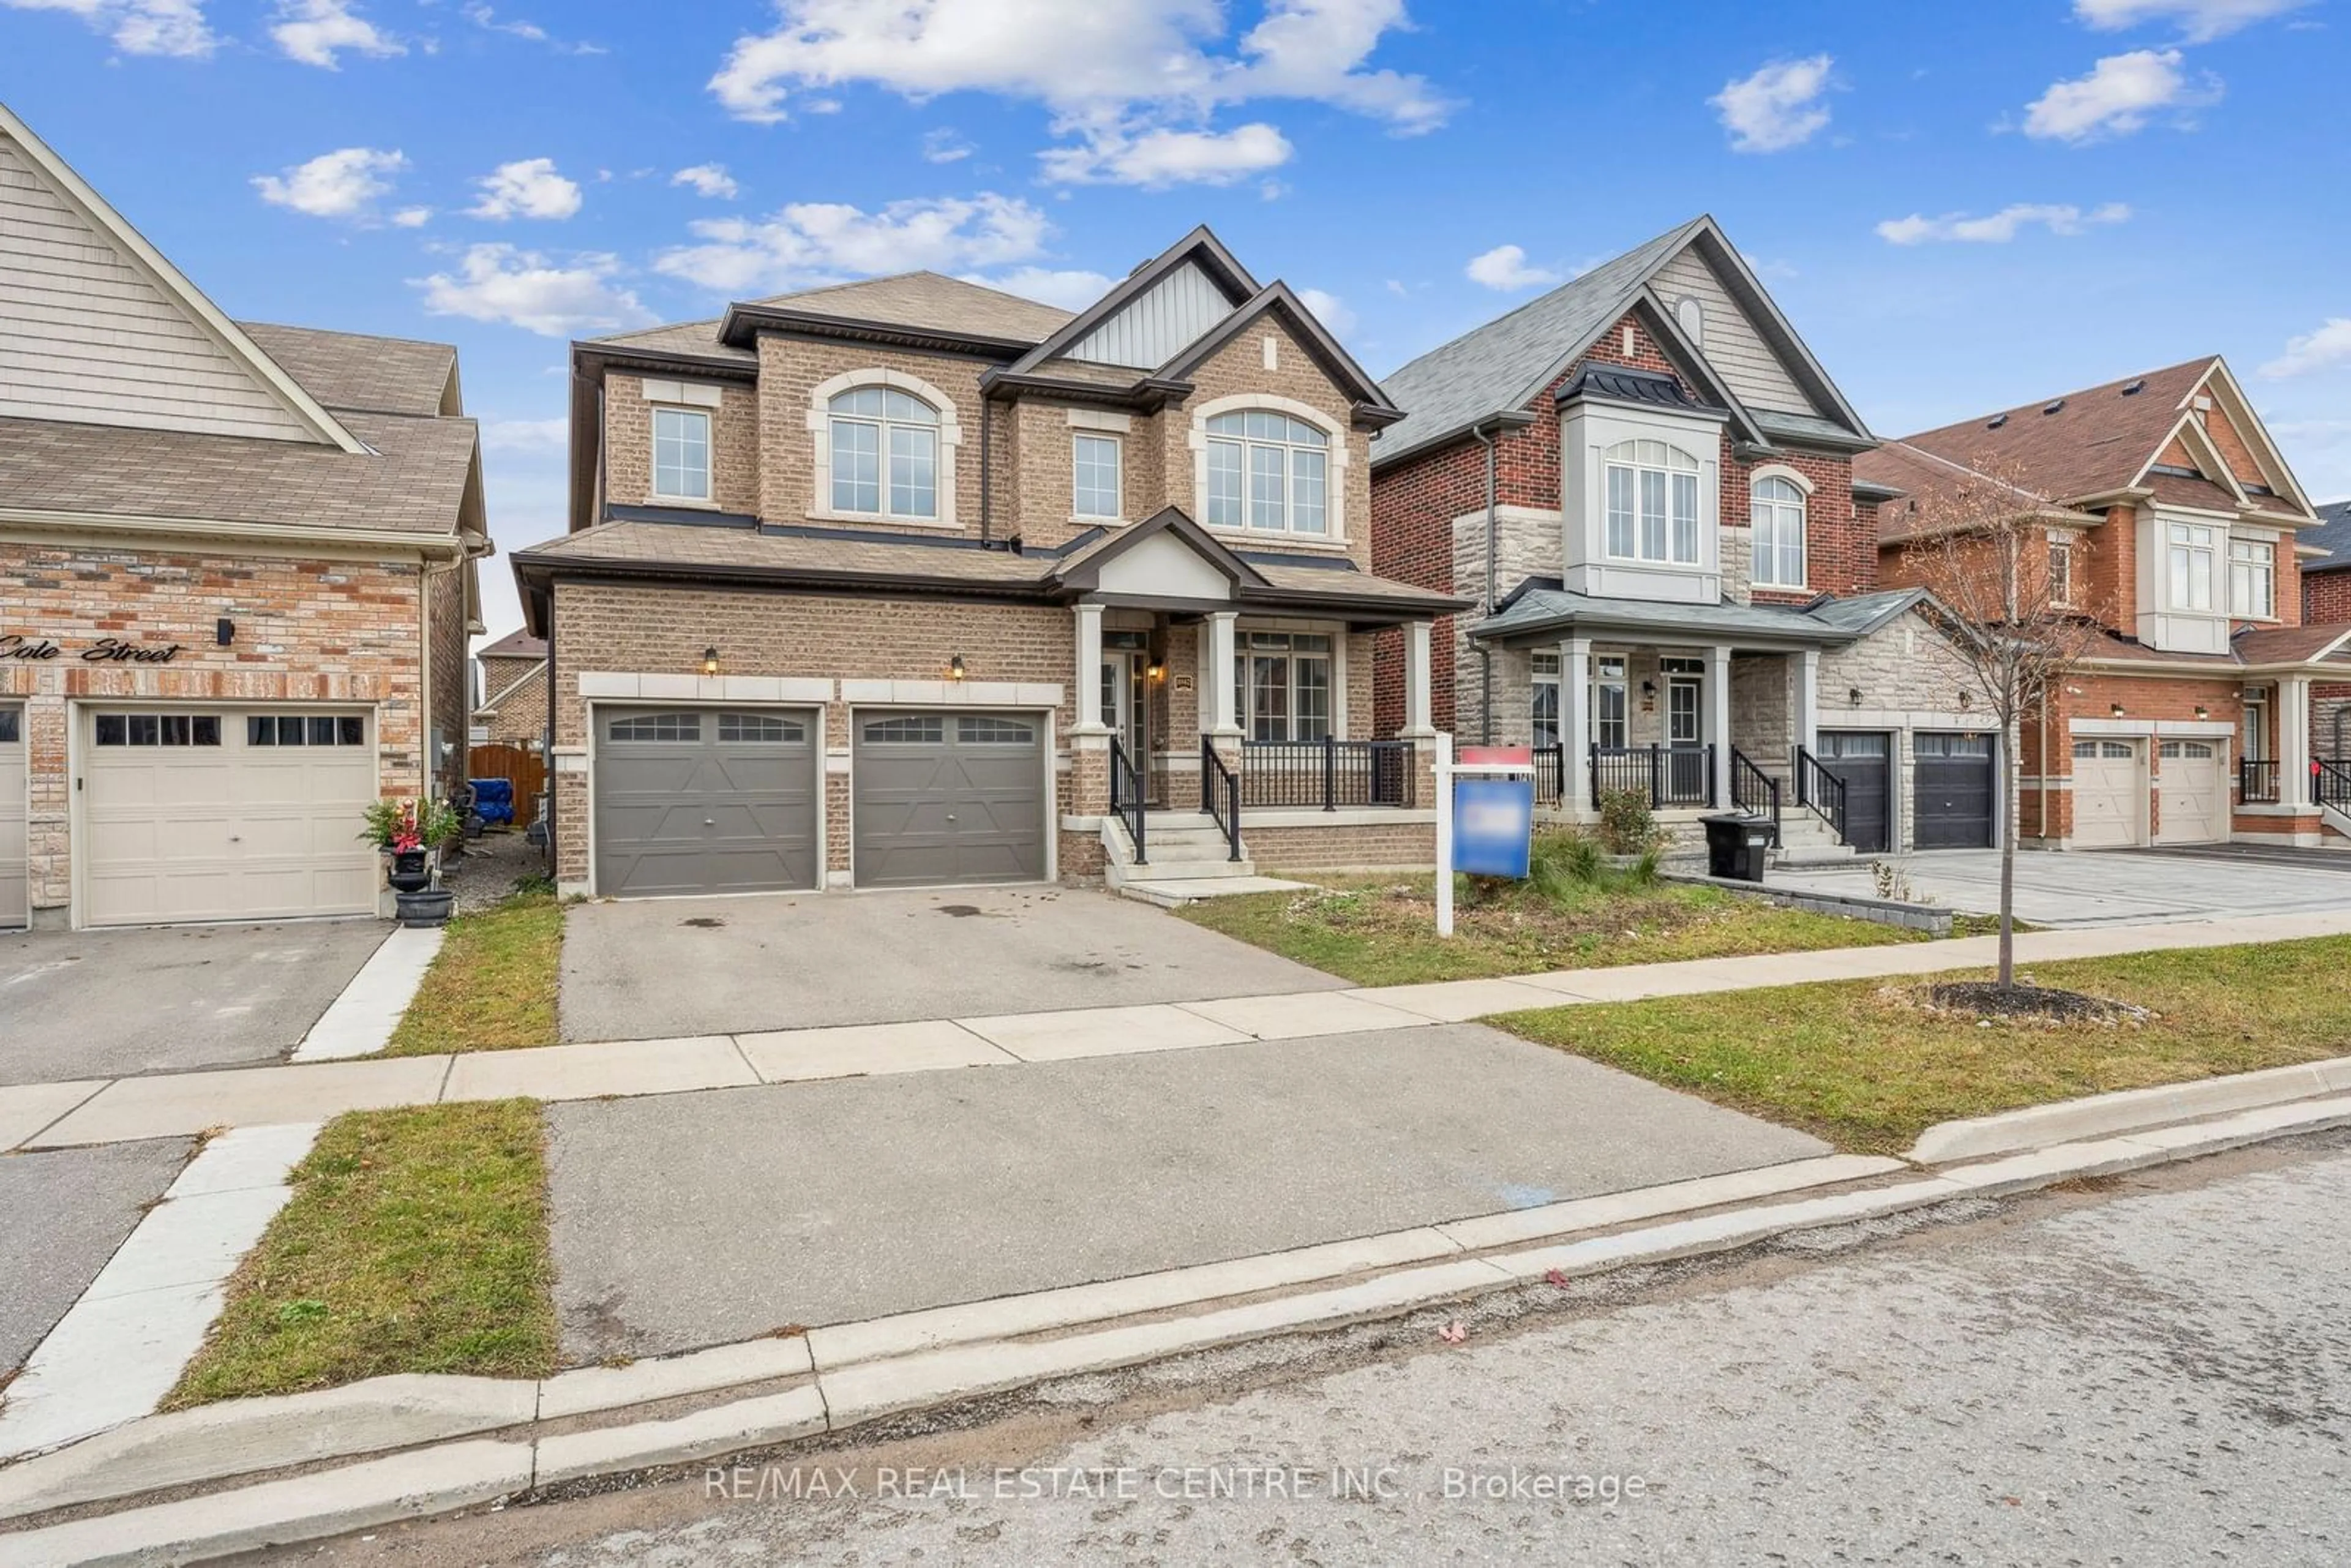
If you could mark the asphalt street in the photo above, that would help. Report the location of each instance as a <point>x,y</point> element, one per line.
<point>2155,1370</point>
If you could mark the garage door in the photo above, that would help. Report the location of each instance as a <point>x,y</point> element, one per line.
<point>244,815</point>
<point>1954,792</point>
<point>943,799</point>
<point>12,816</point>
<point>2109,789</point>
<point>2191,794</point>
<point>1859,758</point>
<point>705,801</point>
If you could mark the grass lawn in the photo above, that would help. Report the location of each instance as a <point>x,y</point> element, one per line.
<point>492,986</point>
<point>1857,1065</point>
<point>415,1241</point>
<point>1381,930</point>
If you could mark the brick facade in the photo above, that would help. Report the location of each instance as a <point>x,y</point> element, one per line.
<point>518,687</point>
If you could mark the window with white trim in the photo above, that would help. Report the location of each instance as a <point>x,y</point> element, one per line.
<point>1609,730</point>
<point>1095,482</point>
<point>2061,570</point>
<point>1778,514</point>
<point>1285,686</point>
<point>1653,493</point>
<point>1268,473</point>
<point>2188,565</point>
<point>681,454</point>
<point>2252,578</point>
<point>1546,714</point>
<point>886,453</point>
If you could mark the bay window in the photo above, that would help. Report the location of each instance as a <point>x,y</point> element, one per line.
<point>2252,578</point>
<point>1779,523</point>
<point>1652,499</point>
<point>1285,686</point>
<point>2188,565</point>
<point>1268,473</point>
<point>886,453</point>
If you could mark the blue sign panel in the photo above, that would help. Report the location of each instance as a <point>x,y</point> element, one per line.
<point>1493,825</point>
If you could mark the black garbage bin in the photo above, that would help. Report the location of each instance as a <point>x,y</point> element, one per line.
<point>1735,844</point>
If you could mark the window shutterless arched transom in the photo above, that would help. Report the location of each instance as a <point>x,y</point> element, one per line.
<point>1267,472</point>
<point>1778,518</point>
<point>885,452</point>
<point>1653,490</point>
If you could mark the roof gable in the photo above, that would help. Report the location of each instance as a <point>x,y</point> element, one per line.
<point>1157,324</point>
<point>915,301</point>
<point>2088,442</point>
<point>1276,298</point>
<point>1199,252</point>
<point>103,329</point>
<point>1083,571</point>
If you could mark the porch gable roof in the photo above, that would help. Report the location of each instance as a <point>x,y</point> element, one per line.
<point>1536,610</point>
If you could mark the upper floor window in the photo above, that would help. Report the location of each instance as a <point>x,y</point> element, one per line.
<point>2061,571</point>
<point>2188,565</point>
<point>870,425</point>
<point>2252,577</point>
<point>1096,485</point>
<point>1267,472</point>
<point>681,454</point>
<point>1779,517</point>
<point>1653,503</point>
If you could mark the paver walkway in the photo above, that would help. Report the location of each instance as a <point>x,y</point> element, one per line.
<point>102,1111</point>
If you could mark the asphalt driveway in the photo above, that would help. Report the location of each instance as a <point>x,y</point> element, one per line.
<point>652,968</point>
<point>62,1215</point>
<point>109,1003</point>
<point>2109,887</point>
<point>692,1220</point>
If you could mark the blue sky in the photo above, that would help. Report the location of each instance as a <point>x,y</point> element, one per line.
<point>1960,207</point>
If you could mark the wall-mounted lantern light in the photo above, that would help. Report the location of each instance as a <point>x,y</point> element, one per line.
<point>223,631</point>
<point>2199,710</point>
<point>955,668</point>
<point>1967,697</point>
<point>2115,710</point>
<point>1156,669</point>
<point>1649,688</point>
<point>710,661</point>
<point>1853,696</point>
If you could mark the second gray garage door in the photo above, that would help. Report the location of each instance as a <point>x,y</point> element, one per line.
<point>705,801</point>
<point>943,799</point>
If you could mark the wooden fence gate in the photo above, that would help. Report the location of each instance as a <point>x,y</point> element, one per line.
<point>527,771</point>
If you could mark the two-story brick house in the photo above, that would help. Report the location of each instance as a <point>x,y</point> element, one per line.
<point>2175,524</point>
<point>237,579</point>
<point>2326,600</point>
<point>909,582</point>
<point>1644,480</point>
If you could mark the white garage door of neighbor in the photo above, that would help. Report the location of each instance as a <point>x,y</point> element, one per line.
<point>13,902</point>
<point>2192,793</point>
<point>2109,789</point>
<point>243,815</point>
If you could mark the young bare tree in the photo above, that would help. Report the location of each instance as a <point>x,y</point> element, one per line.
<point>2020,623</point>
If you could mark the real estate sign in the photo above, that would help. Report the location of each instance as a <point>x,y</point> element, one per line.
<point>1485,816</point>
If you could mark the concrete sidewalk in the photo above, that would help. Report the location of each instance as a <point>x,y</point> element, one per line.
<point>56,1115</point>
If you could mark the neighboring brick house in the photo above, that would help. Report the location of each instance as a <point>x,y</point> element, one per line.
<point>1644,480</point>
<point>909,582</point>
<point>2181,530</point>
<point>236,581</point>
<point>2326,600</point>
<point>512,708</point>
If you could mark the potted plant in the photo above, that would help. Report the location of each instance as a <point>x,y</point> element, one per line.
<point>408,832</point>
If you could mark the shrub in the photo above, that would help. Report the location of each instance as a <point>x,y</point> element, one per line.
<point>1628,826</point>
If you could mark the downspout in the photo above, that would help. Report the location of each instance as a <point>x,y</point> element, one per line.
<point>547,740</point>
<point>1485,653</point>
<point>987,450</point>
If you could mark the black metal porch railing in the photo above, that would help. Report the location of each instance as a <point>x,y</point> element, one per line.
<point>1667,774</point>
<point>1551,774</point>
<point>1753,790</point>
<point>1220,796</point>
<point>1326,775</point>
<point>1820,789</point>
<point>2330,782</point>
<point>2257,781</point>
<point>1127,787</point>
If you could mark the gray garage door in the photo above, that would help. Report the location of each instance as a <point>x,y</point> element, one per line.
<point>1860,759</point>
<point>941,798</point>
<point>705,801</point>
<point>1954,792</point>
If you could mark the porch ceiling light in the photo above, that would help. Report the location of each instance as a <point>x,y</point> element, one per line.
<point>955,668</point>
<point>710,661</point>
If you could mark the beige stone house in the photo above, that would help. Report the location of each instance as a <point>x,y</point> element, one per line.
<point>908,582</point>
<point>237,579</point>
<point>511,709</point>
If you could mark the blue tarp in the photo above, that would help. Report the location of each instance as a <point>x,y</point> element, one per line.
<point>494,800</point>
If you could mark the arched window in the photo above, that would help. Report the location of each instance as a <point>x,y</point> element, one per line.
<point>1779,517</point>
<point>870,425</point>
<point>1652,503</point>
<point>1267,472</point>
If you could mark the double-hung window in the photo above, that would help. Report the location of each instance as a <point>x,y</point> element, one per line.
<point>2061,570</point>
<point>1285,686</point>
<point>1095,481</point>
<point>1546,700</point>
<point>1652,498</point>
<point>1268,473</point>
<point>681,454</point>
<point>1778,518</point>
<point>1609,730</point>
<point>886,453</point>
<point>2252,578</point>
<point>2188,565</point>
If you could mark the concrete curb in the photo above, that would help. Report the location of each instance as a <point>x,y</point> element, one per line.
<point>841,1397</point>
<point>2070,1121</point>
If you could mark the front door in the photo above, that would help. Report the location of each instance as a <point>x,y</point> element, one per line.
<point>1126,706</point>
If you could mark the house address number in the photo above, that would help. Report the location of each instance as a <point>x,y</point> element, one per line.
<point>15,645</point>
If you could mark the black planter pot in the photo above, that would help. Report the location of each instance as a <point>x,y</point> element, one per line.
<point>430,908</point>
<point>408,872</point>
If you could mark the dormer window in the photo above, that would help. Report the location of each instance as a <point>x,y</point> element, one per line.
<point>886,453</point>
<point>1268,473</point>
<point>681,454</point>
<point>1652,499</point>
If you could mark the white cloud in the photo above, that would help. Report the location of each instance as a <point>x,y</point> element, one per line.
<point>1505,267</point>
<point>1114,72</point>
<point>942,145</point>
<point>139,26</point>
<point>523,288</point>
<point>315,31</point>
<point>2319,452</point>
<point>2199,21</point>
<point>412,217</point>
<point>525,188</point>
<point>343,183</point>
<point>526,434</point>
<point>812,242</point>
<point>2116,98</point>
<point>710,180</point>
<point>484,17</point>
<point>1777,108</point>
<point>1159,157</point>
<point>1071,289</point>
<point>1999,227</point>
<point>1328,309</point>
<point>2327,348</point>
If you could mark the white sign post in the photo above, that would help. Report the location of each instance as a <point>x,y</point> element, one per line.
<point>1447,771</point>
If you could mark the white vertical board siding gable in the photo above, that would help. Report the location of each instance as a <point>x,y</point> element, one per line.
<point>88,337</point>
<point>1156,324</point>
<point>1732,345</point>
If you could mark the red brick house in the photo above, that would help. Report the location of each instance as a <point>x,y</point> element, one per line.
<point>2326,600</point>
<point>1644,480</point>
<point>2174,516</point>
<point>236,581</point>
<point>909,582</point>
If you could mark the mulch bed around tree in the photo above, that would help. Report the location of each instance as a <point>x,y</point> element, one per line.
<point>2026,1003</point>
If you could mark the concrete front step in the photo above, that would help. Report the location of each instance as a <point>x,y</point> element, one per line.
<point>1170,892</point>
<point>1166,863</point>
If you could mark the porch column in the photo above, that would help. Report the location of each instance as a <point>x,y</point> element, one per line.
<point>2293,741</point>
<point>1415,680</point>
<point>1090,656</point>
<point>1219,707</point>
<point>1718,720</point>
<point>1575,725</point>
<point>1807,702</point>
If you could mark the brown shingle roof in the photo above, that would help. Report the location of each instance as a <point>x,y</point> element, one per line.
<point>2284,644</point>
<point>517,643</point>
<point>928,299</point>
<point>1926,480</point>
<point>354,371</point>
<point>2179,490</point>
<point>697,338</point>
<point>2097,441</point>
